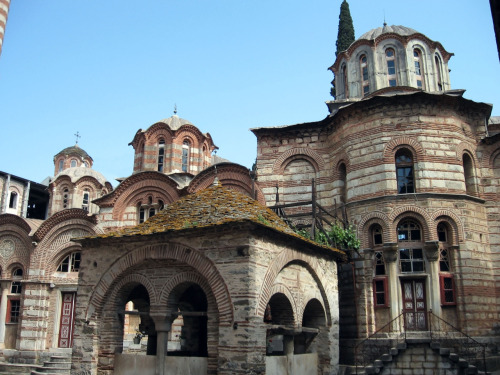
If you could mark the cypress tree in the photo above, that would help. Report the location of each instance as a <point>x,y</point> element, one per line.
<point>345,35</point>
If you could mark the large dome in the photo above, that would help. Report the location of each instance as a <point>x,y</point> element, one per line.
<point>76,173</point>
<point>74,150</point>
<point>396,29</point>
<point>175,122</point>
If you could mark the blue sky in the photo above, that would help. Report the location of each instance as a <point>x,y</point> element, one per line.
<point>108,68</point>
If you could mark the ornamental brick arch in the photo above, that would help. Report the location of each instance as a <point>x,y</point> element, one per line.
<point>285,258</point>
<point>231,175</point>
<point>468,148</point>
<point>488,159</point>
<point>402,142</point>
<point>132,278</point>
<point>123,196</point>
<point>154,133</point>
<point>311,156</point>
<point>410,212</point>
<point>169,251</point>
<point>375,217</point>
<point>59,255</point>
<point>454,222</point>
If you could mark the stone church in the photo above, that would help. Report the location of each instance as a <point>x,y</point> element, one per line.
<point>193,264</point>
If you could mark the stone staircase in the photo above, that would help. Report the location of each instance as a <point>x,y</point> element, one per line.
<point>416,355</point>
<point>57,365</point>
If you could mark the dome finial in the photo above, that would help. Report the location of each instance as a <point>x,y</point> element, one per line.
<point>77,135</point>
<point>385,24</point>
<point>175,109</point>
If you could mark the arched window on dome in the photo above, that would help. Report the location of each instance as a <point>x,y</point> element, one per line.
<point>73,163</point>
<point>419,69</point>
<point>439,69</point>
<point>85,200</point>
<point>404,171</point>
<point>61,164</point>
<point>185,155</point>
<point>65,197</point>
<point>390,58</point>
<point>161,154</point>
<point>345,81</point>
<point>365,83</point>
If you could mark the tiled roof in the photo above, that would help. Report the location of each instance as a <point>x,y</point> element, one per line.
<point>74,150</point>
<point>213,206</point>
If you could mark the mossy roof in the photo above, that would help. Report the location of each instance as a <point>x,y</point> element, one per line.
<point>213,206</point>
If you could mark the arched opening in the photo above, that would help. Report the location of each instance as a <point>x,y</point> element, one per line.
<point>419,70</point>
<point>188,335</point>
<point>313,320</point>
<point>186,145</point>
<point>343,183</point>
<point>365,83</point>
<point>138,329</point>
<point>161,154</point>
<point>390,57</point>
<point>279,314</point>
<point>404,171</point>
<point>469,175</point>
<point>13,200</point>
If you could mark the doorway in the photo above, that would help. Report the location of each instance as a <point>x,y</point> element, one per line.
<point>67,320</point>
<point>414,304</point>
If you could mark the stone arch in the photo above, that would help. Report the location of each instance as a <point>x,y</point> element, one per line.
<point>454,222</point>
<point>283,289</point>
<point>178,252</point>
<point>465,147</point>
<point>133,278</point>
<point>368,220</point>
<point>296,153</point>
<point>410,212</point>
<point>285,258</point>
<point>396,143</point>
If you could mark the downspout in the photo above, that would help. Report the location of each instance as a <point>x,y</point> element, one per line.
<point>25,200</point>
<point>5,194</point>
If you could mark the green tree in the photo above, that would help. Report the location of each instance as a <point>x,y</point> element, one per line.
<point>345,35</point>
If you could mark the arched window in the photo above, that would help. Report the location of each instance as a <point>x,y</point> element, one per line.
<point>469,175</point>
<point>446,279</point>
<point>61,164</point>
<point>17,275</point>
<point>185,155</point>
<point>71,263</point>
<point>85,201</point>
<point>365,83</point>
<point>390,58</point>
<point>376,235</point>
<point>343,182</point>
<point>146,211</point>
<point>161,154</point>
<point>86,164</point>
<point>419,70</point>
<point>13,199</point>
<point>411,255</point>
<point>345,81</point>
<point>73,163</point>
<point>439,78</point>
<point>65,197</point>
<point>404,171</point>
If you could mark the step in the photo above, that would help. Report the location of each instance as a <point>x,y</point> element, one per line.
<point>66,365</point>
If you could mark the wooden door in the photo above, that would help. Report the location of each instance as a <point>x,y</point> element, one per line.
<point>414,304</point>
<point>67,320</point>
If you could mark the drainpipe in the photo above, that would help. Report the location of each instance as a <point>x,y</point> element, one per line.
<point>25,200</point>
<point>5,194</point>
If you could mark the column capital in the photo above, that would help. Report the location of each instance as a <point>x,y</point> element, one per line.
<point>390,250</point>
<point>432,250</point>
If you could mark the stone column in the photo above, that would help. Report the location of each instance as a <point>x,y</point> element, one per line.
<point>390,251</point>
<point>5,285</point>
<point>163,325</point>
<point>431,249</point>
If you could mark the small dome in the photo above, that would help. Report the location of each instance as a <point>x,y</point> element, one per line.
<point>400,30</point>
<point>175,122</point>
<point>76,173</point>
<point>74,150</point>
